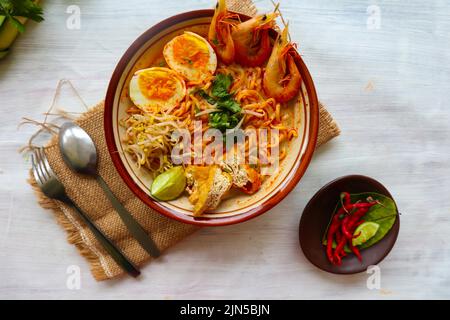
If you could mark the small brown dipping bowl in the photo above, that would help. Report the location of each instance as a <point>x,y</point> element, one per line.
<point>317,215</point>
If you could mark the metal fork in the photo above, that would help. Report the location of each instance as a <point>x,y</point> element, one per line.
<point>53,188</point>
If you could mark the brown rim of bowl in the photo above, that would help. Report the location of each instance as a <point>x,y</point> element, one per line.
<point>112,147</point>
<point>392,234</point>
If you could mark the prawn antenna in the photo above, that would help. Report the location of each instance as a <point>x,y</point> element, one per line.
<point>283,21</point>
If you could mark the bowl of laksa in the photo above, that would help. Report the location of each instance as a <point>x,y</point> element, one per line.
<point>211,117</point>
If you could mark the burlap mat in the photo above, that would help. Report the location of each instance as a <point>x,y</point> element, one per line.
<point>89,196</point>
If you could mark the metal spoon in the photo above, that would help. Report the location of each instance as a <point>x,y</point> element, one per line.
<point>79,153</point>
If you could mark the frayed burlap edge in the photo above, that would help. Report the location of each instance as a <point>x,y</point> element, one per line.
<point>74,234</point>
<point>328,129</point>
<point>243,6</point>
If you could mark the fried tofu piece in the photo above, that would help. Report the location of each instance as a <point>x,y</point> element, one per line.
<point>244,177</point>
<point>207,186</point>
<point>195,176</point>
<point>231,163</point>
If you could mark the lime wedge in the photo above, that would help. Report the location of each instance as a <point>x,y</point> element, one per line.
<point>366,231</point>
<point>169,184</point>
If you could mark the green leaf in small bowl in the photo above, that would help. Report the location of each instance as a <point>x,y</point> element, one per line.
<point>383,214</point>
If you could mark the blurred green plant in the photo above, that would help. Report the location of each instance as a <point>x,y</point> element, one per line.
<point>12,9</point>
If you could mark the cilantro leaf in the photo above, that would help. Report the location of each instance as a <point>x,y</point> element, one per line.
<point>205,96</point>
<point>230,105</point>
<point>219,120</point>
<point>221,85</point>
<point>229,113</point>
<point>223,120</point>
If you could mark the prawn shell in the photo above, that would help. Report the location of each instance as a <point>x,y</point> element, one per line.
<point>246,59</point>
<point>284,97</point>
<point>226,52</point>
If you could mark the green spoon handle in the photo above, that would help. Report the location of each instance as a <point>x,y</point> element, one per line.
<point>136,230</point>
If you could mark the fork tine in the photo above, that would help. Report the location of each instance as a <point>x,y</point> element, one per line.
<point>35,170</point>
<point>40,165</point>
<point>46,165</point>
<point>54,189</point>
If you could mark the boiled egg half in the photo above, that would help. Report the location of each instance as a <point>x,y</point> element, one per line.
<point>191,56</point>
<point>156,89</point>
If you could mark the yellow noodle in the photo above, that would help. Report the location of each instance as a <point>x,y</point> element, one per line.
<point>248,92</point>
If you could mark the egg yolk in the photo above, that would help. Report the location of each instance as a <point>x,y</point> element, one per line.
<point>190,51</point>
<point>157,86</point>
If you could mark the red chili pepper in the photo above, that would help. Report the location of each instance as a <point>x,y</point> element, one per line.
<point>343,229</point>
<point>348,207</point>
<point>349,222</point>
<point>355,250</point>
<point>359,222</point>
<point>334,228</point>
<point>335,224</point>
<point>364,204</point>
<point>338,251</point>
<point>330,247</point>
<point>345,209</point>
<point>346,197</point>
<point>338,235</point>
<point>344,225</point>
<point>356,217</point>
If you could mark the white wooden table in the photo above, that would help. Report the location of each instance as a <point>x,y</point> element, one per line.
<point>387,87</point>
